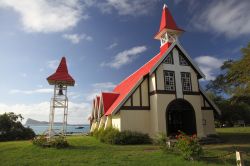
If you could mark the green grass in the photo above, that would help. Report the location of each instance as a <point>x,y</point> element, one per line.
<point>86,150</point>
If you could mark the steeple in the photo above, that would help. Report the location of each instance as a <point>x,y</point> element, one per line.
<point>169,31</point>
<point>61,75</point>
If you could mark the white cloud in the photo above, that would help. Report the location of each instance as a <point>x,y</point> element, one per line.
<point>209,66</point>
<point>128,7</point>
<point>228,17</point>
<point>98,88</point>
<point>29,92</point>
<point>125,57</point>
<point>53,64</point>
<point>78,112</point>
<point>76,38</point>
<point>113,45</point>
<point>45,15</point>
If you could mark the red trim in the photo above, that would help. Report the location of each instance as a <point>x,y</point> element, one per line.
<point>129,83</point>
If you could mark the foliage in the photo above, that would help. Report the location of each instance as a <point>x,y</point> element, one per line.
<point>40,140</point>
<point>132,138</point>
<point>56,142</point>
<point>235,78</point>
<point>11,128</point>
<point>231,113</point>
<point>188,146</point>
<point>113,136</point>
<point>59,142</point>
<point>160,139</point>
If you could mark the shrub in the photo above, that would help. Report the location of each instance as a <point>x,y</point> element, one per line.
<point>131,138</point>
<point>113,136</point>
<point>40,141</point>
<point>56,142</point>
<point>188,146</point>
<point>110,136</point>
<point>59,142</point>
<point>160,139</point>
<point>11,128</point>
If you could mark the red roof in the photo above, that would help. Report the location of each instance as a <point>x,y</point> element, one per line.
<point>129,83</point>
<point>61,75</point>
<point>167,21</point>
<point>108,99</point>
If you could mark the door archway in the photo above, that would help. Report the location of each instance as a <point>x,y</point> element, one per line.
<point>180,115</point>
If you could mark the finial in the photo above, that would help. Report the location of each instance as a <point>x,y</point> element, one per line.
<point>164,6</point>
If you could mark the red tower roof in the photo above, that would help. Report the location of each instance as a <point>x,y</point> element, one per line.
<point>167,23</point>
<point>61,76</point>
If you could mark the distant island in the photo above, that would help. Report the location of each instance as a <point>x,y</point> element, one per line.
<point>32,122</point>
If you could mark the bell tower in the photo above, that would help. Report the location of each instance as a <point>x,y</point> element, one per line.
<point>169,31</point>
<point>61,79</point>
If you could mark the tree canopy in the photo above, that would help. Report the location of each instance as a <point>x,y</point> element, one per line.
<point>11,128</point>
<point>234,79</point>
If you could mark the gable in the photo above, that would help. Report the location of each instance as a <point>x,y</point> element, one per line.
<point>185,56</point>
<point>208,102</point>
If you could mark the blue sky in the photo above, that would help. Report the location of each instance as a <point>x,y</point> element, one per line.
<point>104,41</point>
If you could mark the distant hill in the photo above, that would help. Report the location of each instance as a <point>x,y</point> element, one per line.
<point>33,122</point>
<point>36,122</point>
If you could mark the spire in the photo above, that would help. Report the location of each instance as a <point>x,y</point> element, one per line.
<point>167,24</point>
<point>61,75</point>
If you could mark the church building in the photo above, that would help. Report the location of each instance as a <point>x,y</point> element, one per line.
<point>163,96</point>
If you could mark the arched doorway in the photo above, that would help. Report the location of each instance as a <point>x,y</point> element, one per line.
<point>180,115</point>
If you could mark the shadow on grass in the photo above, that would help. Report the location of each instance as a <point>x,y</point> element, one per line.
<point>235,138</point>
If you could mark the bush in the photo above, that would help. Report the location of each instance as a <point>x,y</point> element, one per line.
<point>11,128</point>
<point>113,136</point>
<point>56,142</point>
<point>131,138</point>
<point>110,136</point>
<point>160,139</point>
<point>40,141</point>
<point>59,142</point>
<point>188,146</point>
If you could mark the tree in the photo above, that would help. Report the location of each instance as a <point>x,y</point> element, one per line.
<point>11,128</point>
<point>234,79</point>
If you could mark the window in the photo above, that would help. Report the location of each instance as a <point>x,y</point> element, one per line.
<point>169,59</point>
<point>169,80</point>
<point>186,82</point>
<point>182,60</point>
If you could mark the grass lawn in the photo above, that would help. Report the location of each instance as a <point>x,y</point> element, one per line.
<point>86,150</point>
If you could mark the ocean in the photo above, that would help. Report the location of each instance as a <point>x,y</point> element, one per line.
<point>40,129</point>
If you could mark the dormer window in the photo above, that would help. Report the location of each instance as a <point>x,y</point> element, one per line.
<point>183,61</point>
<point>169,59</point>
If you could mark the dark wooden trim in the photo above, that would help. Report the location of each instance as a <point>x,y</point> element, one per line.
<point>135,108</point>
<point>206,108</point>
<point>211,106</point>
<point>140,95</point>
<point>156,87</point>
<point>204,101</point>
<point>161,92</point>
<point>191,93</point>
<point>148,91</point>
<point>131,99</point>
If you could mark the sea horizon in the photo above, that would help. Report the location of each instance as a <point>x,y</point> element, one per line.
<point>71,128</point>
